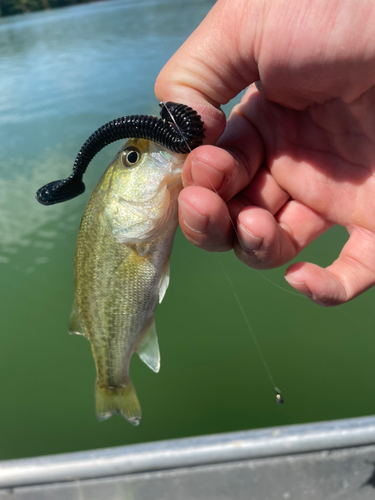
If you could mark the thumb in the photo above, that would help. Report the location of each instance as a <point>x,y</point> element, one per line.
<point>214,64</point>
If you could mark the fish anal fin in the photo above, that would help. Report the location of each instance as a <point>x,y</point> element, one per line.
<point>120,399</point>
<point>75,327</point>
<point>148,349</point>
<point>164,281</point>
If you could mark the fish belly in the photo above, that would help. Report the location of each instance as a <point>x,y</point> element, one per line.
<point>116,293</point>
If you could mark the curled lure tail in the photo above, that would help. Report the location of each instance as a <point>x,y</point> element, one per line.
<point>179,129</point>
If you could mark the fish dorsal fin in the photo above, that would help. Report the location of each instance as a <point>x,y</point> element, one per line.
<point>75,327</point>
<point>148,349</point>
<point>164,281</point>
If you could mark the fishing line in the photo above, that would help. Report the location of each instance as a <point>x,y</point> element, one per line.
<point>276,285</point>
<point>163,104</point>
<point>279,398</point>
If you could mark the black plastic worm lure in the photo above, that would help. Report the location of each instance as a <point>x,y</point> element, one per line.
<point>179,129</point>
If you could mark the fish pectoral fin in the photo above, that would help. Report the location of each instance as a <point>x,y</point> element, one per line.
<point>120,399</point>
<point>148,349</point>
<point>75,327</point>
<point>164,281</point>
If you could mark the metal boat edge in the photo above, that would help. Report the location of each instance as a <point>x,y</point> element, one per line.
<point>188,452</point>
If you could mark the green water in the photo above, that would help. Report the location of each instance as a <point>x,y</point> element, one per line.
<point>64,73</point>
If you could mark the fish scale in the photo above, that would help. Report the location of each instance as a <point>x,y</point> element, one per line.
<point>120,264</point>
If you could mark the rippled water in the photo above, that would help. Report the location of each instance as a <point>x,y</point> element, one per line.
<point>64,73</point>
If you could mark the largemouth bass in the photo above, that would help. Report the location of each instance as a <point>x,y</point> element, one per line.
<point>124,244</point>
<point>122,268</point>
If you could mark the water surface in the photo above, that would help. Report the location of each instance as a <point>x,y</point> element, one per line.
<point>63,74</point>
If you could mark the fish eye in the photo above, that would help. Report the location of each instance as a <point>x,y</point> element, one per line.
<point>130,157</point>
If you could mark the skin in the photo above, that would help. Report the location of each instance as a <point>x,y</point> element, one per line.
<point>297,156</point>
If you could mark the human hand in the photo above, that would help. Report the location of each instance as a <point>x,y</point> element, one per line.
<point>297,156</point>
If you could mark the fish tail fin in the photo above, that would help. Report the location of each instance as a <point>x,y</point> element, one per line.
<point>120,399</point>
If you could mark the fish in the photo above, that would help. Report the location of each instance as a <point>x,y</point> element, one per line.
<point>122,268</point>
<point>121,264</point>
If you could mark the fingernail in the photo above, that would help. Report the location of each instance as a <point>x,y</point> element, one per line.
<point>206,176</point>
<point>250,243</point>
<point>293,282</point>
<point>303,288</point>
<point>192,219</point>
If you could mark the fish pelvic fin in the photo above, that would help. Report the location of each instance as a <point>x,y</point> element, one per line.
<point>120,399</point>
<point>148,349</point>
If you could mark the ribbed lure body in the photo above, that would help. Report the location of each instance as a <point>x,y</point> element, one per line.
<point>179,129</point>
